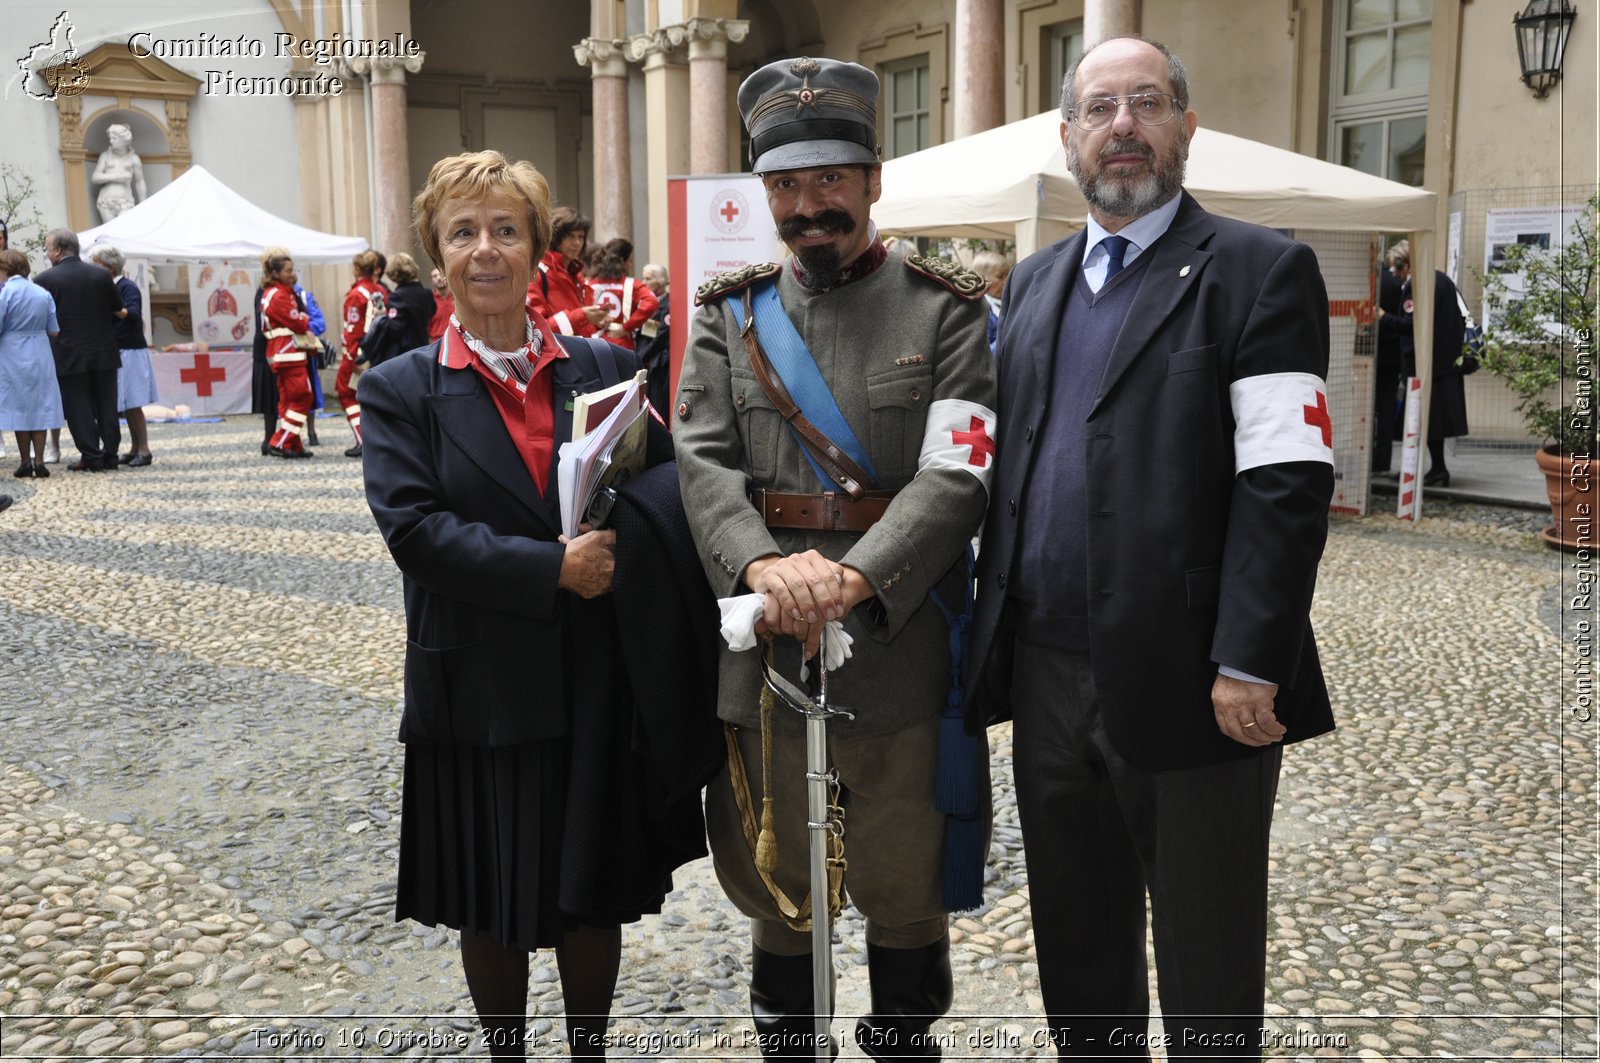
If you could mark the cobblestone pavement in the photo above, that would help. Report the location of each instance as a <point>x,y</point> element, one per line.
<point>199,791</point>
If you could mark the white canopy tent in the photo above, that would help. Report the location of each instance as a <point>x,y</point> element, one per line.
<point>1011,182</point>
<point>197,218</point>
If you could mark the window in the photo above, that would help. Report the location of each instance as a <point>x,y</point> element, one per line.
<point>906,119</point>
<point>1063,45</point>
<point>1380,90</point>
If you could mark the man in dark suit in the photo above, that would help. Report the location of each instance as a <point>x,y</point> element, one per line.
<point>1386,419</point>
<point>87,358</point>
<point>1163,476</point>
<point>655,338</point>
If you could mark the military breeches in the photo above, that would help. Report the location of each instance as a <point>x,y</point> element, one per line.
<point>893,835</point>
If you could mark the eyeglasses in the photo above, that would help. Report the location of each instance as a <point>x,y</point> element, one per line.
<point>1147,108</point>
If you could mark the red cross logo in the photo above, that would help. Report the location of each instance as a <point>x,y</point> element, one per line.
<point>729,211</point>
<point>203,375</point>
<point>977,437</point>
<point>1318,415</point>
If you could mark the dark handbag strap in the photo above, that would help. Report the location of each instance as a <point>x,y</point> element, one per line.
<point>839,466</point>
<point>605,356</point>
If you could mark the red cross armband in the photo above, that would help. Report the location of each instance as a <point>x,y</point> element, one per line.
<point>959,435</point>
<point>1280,417</point>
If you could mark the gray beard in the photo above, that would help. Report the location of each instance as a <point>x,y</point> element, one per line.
<point>1131,197</point>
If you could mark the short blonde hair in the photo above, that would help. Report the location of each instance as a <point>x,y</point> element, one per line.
<point>366,263</point>
<point>403,268</point>
<point>272,260</point>
<point>473,175</point>
<point>1399,256</point>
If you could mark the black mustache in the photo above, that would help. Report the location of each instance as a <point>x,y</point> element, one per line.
<point>833,221</point>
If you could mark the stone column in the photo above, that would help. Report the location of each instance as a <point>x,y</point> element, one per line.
<point>391,220</point>
<point>1109,18</point>
<point>666,96</point>
<point>708,90</point>
<point>613,172</point>
<point>980,101</point>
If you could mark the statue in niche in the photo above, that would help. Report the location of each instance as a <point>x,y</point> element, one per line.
<point>119,174</point>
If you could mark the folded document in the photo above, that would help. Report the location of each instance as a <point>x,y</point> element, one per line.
<point>602,457</point>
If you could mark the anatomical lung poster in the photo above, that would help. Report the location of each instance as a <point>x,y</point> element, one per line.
<point>220,295</point>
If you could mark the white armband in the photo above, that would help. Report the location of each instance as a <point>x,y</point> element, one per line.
<point>959,435</point>
<point>1280,417</point>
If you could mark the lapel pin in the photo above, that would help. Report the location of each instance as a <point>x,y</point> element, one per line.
<point>1184,272</point>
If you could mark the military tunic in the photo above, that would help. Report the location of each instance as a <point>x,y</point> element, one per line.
<point>890,345</point>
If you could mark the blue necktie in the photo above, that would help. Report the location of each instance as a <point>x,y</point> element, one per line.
<point>1115,247</point>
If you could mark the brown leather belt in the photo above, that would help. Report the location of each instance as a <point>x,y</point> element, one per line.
<point>825,511</point>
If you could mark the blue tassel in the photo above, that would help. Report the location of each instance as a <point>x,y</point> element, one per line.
<point>965,849</point>
<point>966,833</point>
<point>957,789</point>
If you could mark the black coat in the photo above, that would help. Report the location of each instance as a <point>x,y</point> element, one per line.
<point>87,305</point>
<point>633,809</point>
<point>414,305</point>
<point>492,657</point>
<point>1447,410</point>
<point>1390,342</point>
<point>496,653</point>
<point>1191,563</point>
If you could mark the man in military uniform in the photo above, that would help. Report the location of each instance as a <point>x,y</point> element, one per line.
<point>900,381</point>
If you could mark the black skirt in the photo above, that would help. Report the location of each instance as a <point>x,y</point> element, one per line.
<point>524,843</point>
<point>480,841</point>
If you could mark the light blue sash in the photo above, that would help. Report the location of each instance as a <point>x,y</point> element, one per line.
<point>795,366</point>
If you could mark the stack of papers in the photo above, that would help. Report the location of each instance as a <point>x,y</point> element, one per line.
<point>610,429</point>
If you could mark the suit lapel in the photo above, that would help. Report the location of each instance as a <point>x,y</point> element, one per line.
<point>1048,294</point>
<point>1176,265</point>
<point>467,414</point>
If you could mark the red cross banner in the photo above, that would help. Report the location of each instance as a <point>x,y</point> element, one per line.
<point>958,435</point>
<point>1280,417</point>
<point>716,223</point>
<point>208,382</point>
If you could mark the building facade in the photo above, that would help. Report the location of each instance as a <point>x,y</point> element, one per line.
<point>329,114</point>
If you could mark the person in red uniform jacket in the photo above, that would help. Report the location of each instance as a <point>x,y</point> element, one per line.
<point>559,292</point>
<point>285,320</point>
<point>628,299</point>
<point>365,300</point>
<point>444,304</point>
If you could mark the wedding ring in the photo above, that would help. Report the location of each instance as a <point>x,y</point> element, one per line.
<point>1252,723</point>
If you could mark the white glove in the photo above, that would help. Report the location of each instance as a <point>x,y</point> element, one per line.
<point>739,615</point>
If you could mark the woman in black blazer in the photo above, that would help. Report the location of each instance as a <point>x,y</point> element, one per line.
<point>413,304</point>
<point>526,823</point>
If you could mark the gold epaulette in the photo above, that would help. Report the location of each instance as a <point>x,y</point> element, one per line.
<point>963,282</point>
<point>734,280</point>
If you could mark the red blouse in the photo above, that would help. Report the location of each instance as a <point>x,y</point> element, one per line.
<point>527,411</point>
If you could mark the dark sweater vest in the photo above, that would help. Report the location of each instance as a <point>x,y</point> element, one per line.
<point>1053,574</point>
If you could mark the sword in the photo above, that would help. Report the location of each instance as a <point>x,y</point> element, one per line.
<point>822,827</point>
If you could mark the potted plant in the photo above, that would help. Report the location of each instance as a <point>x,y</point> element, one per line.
<point>1540,341</point>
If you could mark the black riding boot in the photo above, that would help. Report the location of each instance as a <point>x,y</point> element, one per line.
<point>782,1005</point>
<point>910,989</point>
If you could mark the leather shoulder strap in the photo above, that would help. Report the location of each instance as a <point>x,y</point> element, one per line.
<point>835,464</point>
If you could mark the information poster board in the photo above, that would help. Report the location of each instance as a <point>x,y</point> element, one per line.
<point>1544,228</point>
<point>718,222</point>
